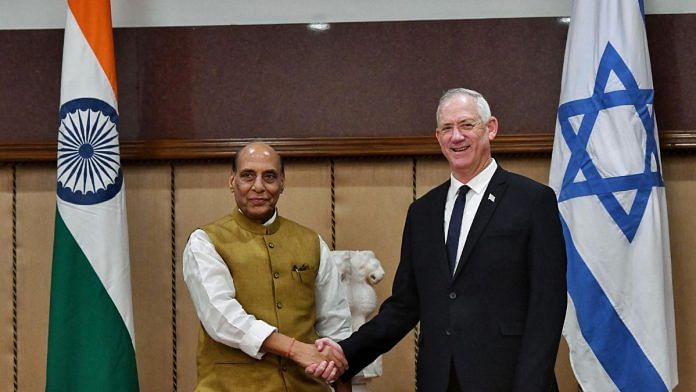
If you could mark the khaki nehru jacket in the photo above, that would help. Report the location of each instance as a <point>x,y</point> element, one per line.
<point>274,269</point>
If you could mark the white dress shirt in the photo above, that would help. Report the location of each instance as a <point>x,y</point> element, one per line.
<point>213,293</point>
<point>477,187</point>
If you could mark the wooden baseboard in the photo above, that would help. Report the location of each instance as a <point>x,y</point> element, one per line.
<point>315,147</point>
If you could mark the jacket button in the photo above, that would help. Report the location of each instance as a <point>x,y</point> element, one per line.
<point>453,295</point>
<point>448,332</point>
<point>279,305</point>
<point>270,245</point>
<point>284,368</point>
<point>276,275</point>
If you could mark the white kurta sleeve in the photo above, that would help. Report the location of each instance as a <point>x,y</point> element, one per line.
<point>333,313</point>
<point>213,293</point>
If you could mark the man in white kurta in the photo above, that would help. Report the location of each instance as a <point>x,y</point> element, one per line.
<point>264,288</point>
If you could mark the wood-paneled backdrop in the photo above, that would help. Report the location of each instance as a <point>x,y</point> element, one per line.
<point>167,200</point>
<point>189,95</point>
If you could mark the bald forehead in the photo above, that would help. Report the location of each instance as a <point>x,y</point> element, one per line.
<point>259,149</point>
<point>258,152</point>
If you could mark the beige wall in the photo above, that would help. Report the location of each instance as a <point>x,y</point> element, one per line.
<point>680,175</point>
<point>371,199</point>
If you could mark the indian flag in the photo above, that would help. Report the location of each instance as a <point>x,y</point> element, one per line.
<point>91,345</point>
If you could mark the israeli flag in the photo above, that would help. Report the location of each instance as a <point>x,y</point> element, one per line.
<point>607,174</point>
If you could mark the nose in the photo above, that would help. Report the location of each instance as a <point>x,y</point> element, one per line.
<point>457,134</point>
<point>257,186</point>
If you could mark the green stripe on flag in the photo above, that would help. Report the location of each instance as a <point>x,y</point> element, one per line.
<point>89,347</point>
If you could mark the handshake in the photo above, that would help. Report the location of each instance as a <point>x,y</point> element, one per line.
<point>324,359</point>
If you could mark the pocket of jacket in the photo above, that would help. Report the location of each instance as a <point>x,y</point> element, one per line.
<point>303,273</point>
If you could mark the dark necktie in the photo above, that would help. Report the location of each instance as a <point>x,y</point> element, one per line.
<point>455,227</point>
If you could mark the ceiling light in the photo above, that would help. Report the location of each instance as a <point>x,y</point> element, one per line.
<point>319,26</point>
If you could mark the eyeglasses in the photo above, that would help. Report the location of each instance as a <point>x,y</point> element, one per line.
<point>466,125</point>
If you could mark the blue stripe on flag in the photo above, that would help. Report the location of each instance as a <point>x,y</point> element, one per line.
<point>611,341</point>
<point>600,186</point>
<point>641,5</point>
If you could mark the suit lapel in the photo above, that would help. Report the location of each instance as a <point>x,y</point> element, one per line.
<point>496,188</point>
<point>435,229</point>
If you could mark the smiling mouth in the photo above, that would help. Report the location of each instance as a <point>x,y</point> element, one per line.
<point>459,149</point>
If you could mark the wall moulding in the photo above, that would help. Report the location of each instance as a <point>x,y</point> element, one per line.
<point>315,147</point>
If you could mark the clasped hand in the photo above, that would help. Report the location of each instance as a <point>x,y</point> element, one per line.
<point>324,359</point>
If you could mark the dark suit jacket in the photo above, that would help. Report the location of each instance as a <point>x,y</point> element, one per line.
<point>499,319</point>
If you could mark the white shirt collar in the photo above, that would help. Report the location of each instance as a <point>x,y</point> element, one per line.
<point>270,220</point>
<point>477,184</point>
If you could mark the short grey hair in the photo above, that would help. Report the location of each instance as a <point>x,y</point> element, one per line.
<point>484,110</point>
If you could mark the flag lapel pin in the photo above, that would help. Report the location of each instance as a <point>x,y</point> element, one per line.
<point>491,198</point>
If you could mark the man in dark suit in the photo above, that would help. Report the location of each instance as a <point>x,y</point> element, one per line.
<point>482,268</point>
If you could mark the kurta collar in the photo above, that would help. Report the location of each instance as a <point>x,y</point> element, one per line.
<point>269,227</point>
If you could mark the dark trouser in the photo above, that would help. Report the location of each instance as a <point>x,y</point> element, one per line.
<point>453,385</point>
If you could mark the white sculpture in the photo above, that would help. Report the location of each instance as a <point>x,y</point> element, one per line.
<point>360,270</point>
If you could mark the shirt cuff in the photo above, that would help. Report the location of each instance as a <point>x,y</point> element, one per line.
<point>254,338</point>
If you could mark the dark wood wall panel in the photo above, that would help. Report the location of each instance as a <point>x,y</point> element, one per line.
<point>355,80</point>
<point>672,42</point>
<point>30,84</point>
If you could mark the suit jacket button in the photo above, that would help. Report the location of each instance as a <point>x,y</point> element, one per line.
<point>448,332</point>
<point>453,295</point>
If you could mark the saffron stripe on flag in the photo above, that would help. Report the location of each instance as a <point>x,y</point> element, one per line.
<point>94,19</point>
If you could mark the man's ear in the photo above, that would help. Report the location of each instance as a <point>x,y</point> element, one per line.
<point>230,182</point>
<point>492,128</point>
<point>282,182</point>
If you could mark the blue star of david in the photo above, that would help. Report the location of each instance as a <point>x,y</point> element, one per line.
<point>594,184</point>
